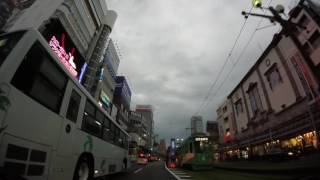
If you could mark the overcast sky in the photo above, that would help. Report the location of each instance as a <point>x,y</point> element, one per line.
<point>172,51</point>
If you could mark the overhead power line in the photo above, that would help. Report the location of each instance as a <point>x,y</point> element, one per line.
<point>223,66</point>
<point>238,59</point>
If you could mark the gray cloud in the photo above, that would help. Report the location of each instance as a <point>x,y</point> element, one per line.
<point>173,50</point>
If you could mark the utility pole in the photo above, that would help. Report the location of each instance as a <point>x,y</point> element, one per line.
<point>288,29</point>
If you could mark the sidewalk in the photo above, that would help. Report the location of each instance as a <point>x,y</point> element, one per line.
<point>304,164</point>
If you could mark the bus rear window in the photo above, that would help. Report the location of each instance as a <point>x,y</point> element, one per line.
<point>7,43</point>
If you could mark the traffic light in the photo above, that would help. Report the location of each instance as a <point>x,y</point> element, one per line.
<point>257,3</point>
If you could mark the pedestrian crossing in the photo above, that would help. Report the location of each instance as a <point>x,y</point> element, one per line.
<point>180,174</point>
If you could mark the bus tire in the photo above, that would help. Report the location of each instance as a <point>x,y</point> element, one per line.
<point>84,168</point>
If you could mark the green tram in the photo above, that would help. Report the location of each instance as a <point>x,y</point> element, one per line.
<point>195,153</point>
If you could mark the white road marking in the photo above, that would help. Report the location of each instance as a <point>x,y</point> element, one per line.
<point>185,176</point>
<point>138,170</point>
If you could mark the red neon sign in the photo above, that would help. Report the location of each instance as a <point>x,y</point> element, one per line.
<point>65,58</point>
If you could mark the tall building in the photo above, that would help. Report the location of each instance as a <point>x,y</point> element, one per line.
<point>122,100</point>
<point>137,128</point>
<point>162,147</point>
<point>212,129</point>
<point>104,86</point>
<point>147,112</point>
<point>196,125</point>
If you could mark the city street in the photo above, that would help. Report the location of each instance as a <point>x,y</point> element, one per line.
<point>152,171</point>
<point>219,174</point>
<point>157,171</point>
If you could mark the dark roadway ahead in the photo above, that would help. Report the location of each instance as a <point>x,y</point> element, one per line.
<point>152,171</point>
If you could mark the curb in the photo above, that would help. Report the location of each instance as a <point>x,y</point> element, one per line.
<point>273,171</point>
<point>174,175</point>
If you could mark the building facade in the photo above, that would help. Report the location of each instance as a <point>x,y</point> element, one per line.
<point>196,125</point>
<point>227,127</point>
<point>137,128</point>
<point>105,84</point>
<point>147,113</point>
<point>276,103</point>
<point>162,147</point>
<point>122,100</point>
<point>212,128</point>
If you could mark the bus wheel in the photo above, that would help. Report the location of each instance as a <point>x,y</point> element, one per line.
<point>83,171</point>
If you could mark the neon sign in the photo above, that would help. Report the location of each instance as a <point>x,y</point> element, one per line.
<point>65,58</point>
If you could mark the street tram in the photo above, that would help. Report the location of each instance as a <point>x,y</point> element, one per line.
<point>195,153</point>
<point>50,126</point>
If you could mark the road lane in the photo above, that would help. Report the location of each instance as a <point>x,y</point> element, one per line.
<point>151,171</point>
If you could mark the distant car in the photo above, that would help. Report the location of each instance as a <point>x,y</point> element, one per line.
<point>142,159</point>
<point>153,158</point>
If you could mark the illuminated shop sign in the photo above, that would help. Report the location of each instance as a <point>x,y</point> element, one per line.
<point>105,99</point>
<point>202,139</point>
<point>65,58</point>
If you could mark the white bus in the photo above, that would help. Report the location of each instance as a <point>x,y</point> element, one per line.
<point>50,126</point>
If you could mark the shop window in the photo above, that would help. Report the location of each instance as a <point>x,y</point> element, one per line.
<point>238,106</point>
<point>73,107</point>
<point>45,82</point>
<point>254,98</point>
<point>274,77</point>
<point>315,39</point>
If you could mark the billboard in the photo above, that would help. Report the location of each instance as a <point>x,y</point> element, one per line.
<point>65,49</point>
<point>122,89</point>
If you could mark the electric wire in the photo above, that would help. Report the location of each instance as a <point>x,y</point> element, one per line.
<point>236,62</point>
<point>223,66</point>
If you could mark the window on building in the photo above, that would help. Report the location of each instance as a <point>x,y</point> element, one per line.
<point>254,98</point>
<point>226,119</point>
<point>238,106</point>
<point>307,48</point>
<point>315,39</point>
<point>224,109</point>
<point>304,21</point>
<point>273,77</point>
<point>73,106</point>
<point>40,78</point>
